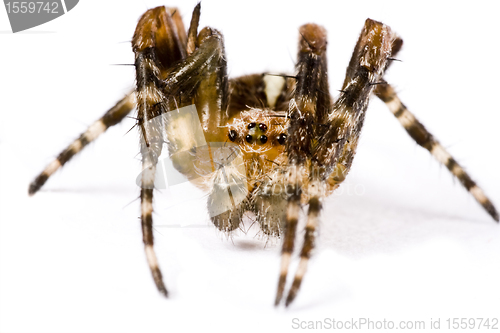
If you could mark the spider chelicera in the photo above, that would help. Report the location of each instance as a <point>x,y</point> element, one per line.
<point>263,143</point>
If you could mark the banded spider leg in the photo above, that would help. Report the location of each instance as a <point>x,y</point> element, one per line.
<point>198,73</point>
<point>112,117</point>
<point>425,139</point>
<point>316,163</point>
<point>173,69</point>
<point>334,153</point>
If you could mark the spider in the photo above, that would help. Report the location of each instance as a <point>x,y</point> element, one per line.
<point>264,143</point>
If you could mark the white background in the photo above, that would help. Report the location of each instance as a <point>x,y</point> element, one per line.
<point>401,240</point>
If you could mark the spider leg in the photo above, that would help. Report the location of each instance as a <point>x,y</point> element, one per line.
<point>192,42</point>
<point>425,139</point>
<point>203,75</point>
<point>291,221</point>
<point>309,239</point>
<point>308,108</point>
<point>339,137</point>
<point>170,76</point>
<point>117,113</point>
<point>346,118</point>
<point>158,42</point>
<point>422,137</point>
<point>112,117</point>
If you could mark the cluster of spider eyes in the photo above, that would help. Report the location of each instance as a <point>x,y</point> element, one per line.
<point>263,138</point>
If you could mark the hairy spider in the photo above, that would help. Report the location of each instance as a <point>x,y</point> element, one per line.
<point>263,143</point>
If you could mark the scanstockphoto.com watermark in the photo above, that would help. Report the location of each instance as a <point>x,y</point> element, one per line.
<point>473,323</point>
<point>177,152</point>
<point>28,14</point>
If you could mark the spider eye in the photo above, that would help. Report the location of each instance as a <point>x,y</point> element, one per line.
<point>249,138</point>
<point>262,127</point>
<point>232,135</point>
<point>282,138</point>
<point>251,125</point>
<point>263,138</point>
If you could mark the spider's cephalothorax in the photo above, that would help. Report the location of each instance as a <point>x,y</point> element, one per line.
<point>262,143</point>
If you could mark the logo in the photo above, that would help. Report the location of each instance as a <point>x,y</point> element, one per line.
<point>28,14</point>
<point>217,167</point>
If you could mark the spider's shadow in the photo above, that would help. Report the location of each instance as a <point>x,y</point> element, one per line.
<point>250,238</point>
<point>386,227</point>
